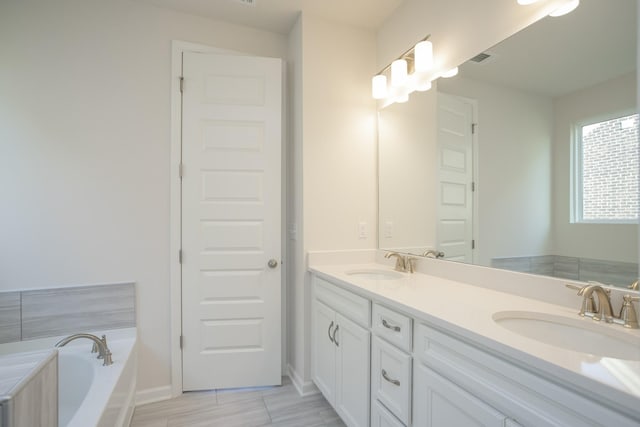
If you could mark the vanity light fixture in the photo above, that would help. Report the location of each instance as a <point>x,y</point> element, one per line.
<point>411,71</point>
<point>526,2</point>
<point>450,73</point>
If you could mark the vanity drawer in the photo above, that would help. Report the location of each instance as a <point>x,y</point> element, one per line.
<point>391,378</point>
<point>349,304</point>
<point>392,326</point>
<point>381,417</point>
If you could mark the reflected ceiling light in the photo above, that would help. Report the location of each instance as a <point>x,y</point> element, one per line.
<point>450,73</point>
<point>399,75</point>
<point>379,86</point>
<point>567,7</point>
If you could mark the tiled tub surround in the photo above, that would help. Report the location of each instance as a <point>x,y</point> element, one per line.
<point>466,311</point>
<point>90,395</point>
<point>28,389</point>
<point>30,314</point>
<point>584,269</point>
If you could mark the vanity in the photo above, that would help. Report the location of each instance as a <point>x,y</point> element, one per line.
<point>400,349</point>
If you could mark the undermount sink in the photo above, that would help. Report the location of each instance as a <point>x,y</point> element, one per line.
<point>375,274</point>
<point>580,334</point>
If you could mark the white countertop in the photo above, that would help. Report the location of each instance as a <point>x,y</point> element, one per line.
<point>467,310</point>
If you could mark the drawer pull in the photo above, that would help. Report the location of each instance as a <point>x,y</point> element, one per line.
<point>335,340</point>
<point>386,377</point>
<point>329,331</point>
<point>390,326</point>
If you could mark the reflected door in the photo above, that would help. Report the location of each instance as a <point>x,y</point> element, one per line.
<point>455,178</point>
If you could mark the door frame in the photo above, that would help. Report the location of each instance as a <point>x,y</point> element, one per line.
<point>475,148</point>
<point>178,47</point>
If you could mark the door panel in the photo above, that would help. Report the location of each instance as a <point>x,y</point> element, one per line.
<point>455,176</point>
<point>231,151</point>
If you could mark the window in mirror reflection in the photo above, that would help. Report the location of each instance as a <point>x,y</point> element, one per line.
<point>607,181</point>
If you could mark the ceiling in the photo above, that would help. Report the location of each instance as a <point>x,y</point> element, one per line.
<point>555,56</point>
<point>280,15</point>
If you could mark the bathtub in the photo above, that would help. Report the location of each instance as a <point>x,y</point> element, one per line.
<point>89,394</point>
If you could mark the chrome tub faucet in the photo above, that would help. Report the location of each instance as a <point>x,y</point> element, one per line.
<point>99,344</point>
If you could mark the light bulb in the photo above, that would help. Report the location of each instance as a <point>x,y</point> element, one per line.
<point>423,56</point>
<point>567,7</point>
<point>379,86</point>
<point>399,73</point>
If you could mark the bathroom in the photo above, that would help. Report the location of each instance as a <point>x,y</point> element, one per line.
<point>88,122</point>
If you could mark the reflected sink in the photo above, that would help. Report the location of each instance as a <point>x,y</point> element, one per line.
<point>580,334</point>
<point>375,274</point>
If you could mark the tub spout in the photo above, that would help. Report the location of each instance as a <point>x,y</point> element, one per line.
<point>103,351</point>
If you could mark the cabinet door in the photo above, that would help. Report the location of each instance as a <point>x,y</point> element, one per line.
<point>437,402</point>
<point>381,417</point>
<point>324,359</point>
<point>353,345</point>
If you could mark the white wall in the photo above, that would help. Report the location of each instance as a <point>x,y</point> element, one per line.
<point>335,140</point>
<point>407,145</point>
<point>84,148</point>
<point>616,242</point>
<point>515,137</point>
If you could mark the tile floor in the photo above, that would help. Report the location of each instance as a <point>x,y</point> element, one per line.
<point>269,406</point>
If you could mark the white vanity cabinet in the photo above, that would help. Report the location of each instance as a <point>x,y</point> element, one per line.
<point>341,351</point>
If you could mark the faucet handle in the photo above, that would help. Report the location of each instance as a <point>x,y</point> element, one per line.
<point>634,286</point>
<point>410,263</point>
<point>628,313</point>
<point>588,307</point>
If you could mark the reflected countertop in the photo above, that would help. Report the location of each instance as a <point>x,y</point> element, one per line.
<point>467,311</point>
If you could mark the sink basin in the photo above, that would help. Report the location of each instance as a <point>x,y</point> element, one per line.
<point>580,334</point>
<point>375,274</point>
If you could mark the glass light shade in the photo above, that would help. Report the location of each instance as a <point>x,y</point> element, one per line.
<point>567,7</point>
<point>526,2</point>
<point>379,86</point>
<point>423,56</point>
<point>450,73</point>
<point>399,74</point>
<point>423,86</point>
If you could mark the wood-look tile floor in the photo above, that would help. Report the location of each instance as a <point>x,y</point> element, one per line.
<point>280,406</point>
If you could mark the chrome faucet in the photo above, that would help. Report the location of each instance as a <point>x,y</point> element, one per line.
<point>103,351</point>
<point>431,253</point>
<point>604,302</point>
<point>627,317</point>
<point>400,260</point>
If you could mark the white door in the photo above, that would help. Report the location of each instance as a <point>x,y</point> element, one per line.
<point>324,350</point>
<point>352,372</point>
<point>231,154</point>
<point>455,177</point>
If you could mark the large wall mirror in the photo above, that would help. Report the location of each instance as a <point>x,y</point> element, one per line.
<point>527,160</point>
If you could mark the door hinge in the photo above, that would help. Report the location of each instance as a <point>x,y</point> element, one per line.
<point>473,186</point>
<point>473,244</point>
<point>181,341</point>
<point>473,127</point>
<point>181,84</point>
<point>181,170</point>
<point>180,256</point>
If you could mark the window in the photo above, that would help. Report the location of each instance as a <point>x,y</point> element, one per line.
<point>607,165</point>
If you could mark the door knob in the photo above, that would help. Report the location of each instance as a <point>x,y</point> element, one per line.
<point>273,263</point>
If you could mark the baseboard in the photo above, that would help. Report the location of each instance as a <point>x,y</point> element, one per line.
<point>304,388</point>
<point>151,395</point>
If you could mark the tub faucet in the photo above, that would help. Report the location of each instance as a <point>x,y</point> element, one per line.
<point>103,351</point>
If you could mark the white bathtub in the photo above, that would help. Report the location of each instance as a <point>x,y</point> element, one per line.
<point>89,394</point>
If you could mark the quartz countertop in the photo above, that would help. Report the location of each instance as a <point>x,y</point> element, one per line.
<point>466,311</point>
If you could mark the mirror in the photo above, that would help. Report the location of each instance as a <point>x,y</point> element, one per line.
<point>517,190</point>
